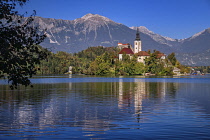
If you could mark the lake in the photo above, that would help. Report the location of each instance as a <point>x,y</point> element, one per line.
<point>85,107</point>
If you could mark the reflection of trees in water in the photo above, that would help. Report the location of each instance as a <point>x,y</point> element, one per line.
<point>23,94</point>
<point>88,105</point>
<point>159,89</point>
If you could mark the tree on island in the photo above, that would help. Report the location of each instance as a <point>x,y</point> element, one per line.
<point>19,50</point>
<point>158,66</point>
<point>171,57</point>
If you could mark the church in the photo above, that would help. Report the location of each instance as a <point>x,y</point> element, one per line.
<point>136,50</point>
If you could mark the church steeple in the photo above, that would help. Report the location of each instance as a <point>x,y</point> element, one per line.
<point>137,42</point>
<point>137,35</point>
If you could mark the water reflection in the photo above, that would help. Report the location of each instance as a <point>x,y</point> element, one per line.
<point>53,101</point>
<point>93,109</point>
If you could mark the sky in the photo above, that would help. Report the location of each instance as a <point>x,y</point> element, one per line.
<point>177,19</point>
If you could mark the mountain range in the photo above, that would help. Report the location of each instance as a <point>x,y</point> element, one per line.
<point>96,30</point>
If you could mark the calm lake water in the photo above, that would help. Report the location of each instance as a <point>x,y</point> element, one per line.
<point>83,107</point>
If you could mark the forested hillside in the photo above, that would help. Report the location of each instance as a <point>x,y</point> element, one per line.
<point>104,61</point>
<point>58,63</point>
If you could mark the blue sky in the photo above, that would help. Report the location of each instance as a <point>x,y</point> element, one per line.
<point>177,19</point>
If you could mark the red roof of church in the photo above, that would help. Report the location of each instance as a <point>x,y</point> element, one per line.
<point>126,51</point>
<point>142,53</point>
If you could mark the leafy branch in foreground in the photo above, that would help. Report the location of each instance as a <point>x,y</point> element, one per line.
<point>19,50</point>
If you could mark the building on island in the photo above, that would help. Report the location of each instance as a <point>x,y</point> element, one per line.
<point>137,42</point>
<point>127,51</point>
<point>141,56</point>
<point>176,71</point>
<point>136,50</point>
<point>121,46</point>
<point>160,55</point>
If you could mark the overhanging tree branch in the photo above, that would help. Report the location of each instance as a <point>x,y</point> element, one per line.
<point>19,50</point>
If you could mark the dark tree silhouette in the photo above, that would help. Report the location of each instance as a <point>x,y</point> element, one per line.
<point>19,50</point>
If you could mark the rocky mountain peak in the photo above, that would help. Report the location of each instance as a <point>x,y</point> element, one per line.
<point>87,16</point>
<point>142,29</point>
<point>93,22</point>
<point>95,17</point>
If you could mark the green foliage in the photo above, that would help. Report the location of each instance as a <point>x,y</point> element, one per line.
<point>171,57</point>
<point>56,63</point>
<point>19,50</point>
<point>152,63</point>
<point>103,61</point>
<point>92,61</point>
<point>129,66</point>
<point>166,71</point>
<point>184,69</point>
<point>84,62</point>
<point>157,66</point>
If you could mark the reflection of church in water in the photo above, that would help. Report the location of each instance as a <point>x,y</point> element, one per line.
<point>134,93</point>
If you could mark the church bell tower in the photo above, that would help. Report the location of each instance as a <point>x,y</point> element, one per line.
<point>137,42</point>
